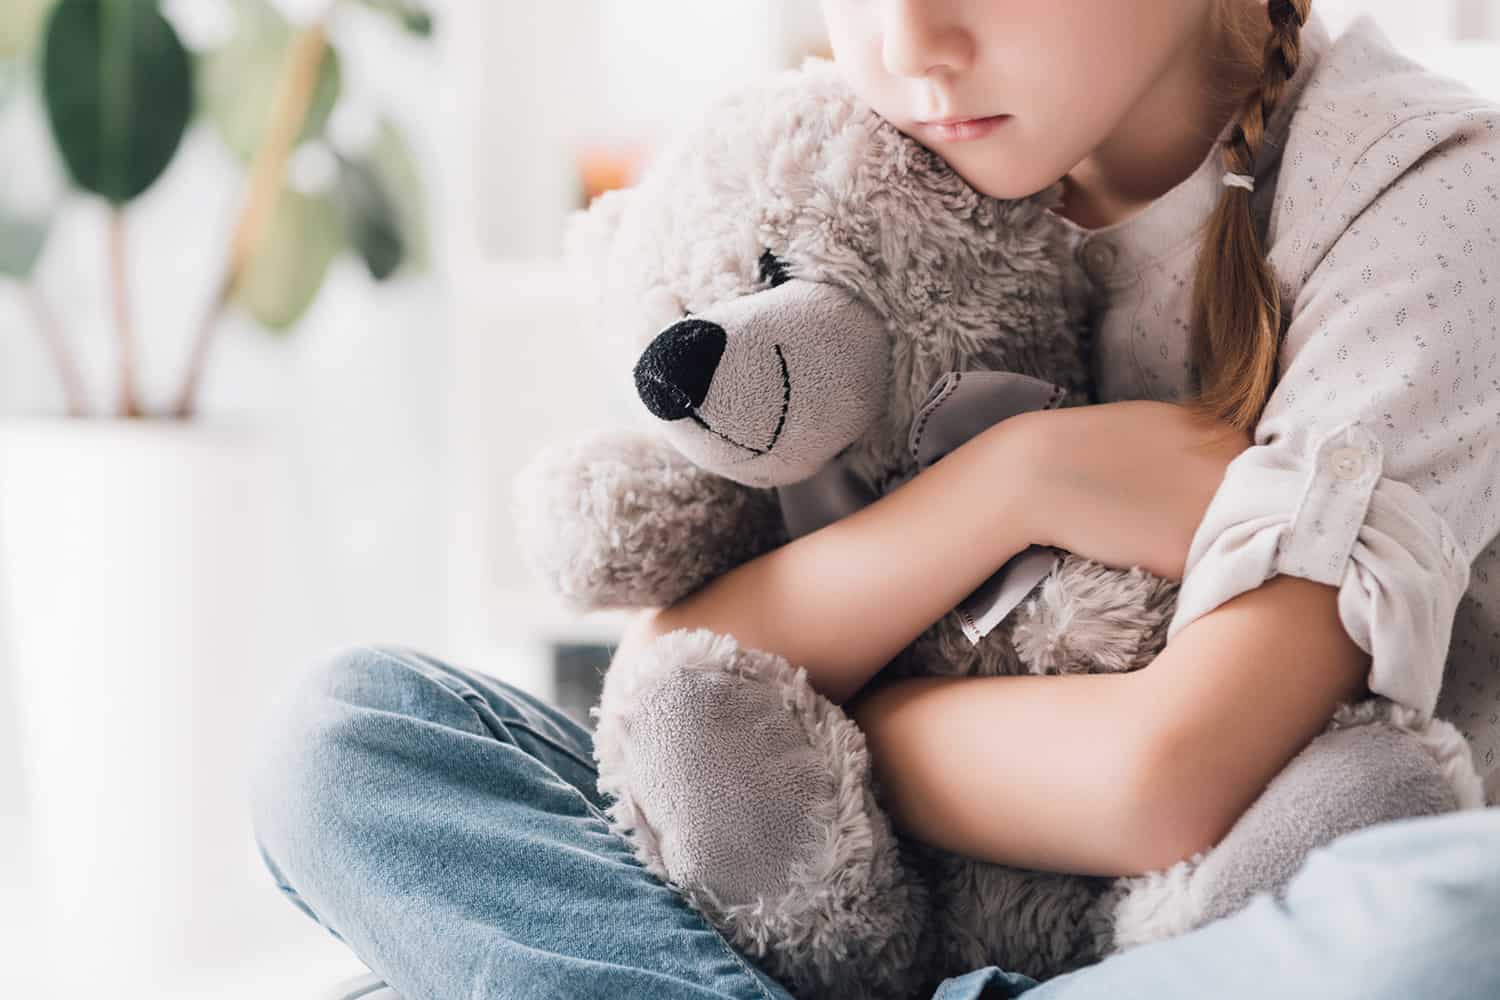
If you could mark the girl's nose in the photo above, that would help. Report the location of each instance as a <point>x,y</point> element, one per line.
<point>921,38</point>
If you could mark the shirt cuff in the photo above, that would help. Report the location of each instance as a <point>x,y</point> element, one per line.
<point>1337,520</point>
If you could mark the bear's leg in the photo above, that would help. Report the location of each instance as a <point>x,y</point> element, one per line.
<point>616,518</point>
<point>1363,770</point>
<point>749,792</point>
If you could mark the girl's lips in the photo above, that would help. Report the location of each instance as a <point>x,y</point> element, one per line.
<point>974,128</point>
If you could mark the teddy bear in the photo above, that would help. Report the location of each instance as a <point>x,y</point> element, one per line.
<point>811,308</point>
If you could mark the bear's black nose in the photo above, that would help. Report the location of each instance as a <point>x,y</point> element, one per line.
<point>675,371</point>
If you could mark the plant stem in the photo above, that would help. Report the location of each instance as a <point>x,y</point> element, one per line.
<point>52,336</point>
<point>130,405</point>
<point>289,108</point>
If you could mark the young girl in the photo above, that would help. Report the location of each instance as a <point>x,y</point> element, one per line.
<point>1296,343</point>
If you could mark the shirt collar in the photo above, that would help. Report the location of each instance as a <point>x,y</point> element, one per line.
<point>1115,255</point>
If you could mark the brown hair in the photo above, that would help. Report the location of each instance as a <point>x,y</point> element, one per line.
<point>1236,331</point>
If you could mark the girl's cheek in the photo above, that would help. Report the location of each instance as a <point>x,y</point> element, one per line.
<point>861,77</point>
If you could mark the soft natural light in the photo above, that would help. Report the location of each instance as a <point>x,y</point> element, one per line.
<point>307,358</point>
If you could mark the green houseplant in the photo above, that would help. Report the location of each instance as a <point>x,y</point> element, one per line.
<point>151,574</point>
<point>120,90</point>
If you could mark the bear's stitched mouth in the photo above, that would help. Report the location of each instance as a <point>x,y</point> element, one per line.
<point>786,402</point>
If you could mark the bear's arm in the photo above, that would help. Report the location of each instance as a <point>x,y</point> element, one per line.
<point>619,519</point>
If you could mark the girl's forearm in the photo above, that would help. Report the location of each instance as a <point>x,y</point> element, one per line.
<point>1116,774</point>
<point>844,600</point>
<point>1032,772</point>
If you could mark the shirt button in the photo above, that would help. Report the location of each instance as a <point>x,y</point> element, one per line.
<point>1347,463</point>
<point>1099,258</point>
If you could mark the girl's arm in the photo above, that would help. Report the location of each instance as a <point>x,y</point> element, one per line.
<point>842,601</point>
<point>1116,774</point>
<point>1120,774</point>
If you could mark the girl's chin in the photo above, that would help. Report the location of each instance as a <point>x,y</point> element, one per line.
<point>993,183</point>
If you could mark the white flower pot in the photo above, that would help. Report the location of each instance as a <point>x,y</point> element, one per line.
<point>136,564</point>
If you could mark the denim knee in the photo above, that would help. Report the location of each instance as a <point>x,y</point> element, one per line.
<point>300,756</point>
<point>361,708</point>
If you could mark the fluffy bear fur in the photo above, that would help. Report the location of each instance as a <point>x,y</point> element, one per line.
<point>824,270</point>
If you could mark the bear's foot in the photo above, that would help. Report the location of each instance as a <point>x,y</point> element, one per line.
<point>750,793</point>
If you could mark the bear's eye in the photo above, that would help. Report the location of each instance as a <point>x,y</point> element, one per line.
<point>773,269</point>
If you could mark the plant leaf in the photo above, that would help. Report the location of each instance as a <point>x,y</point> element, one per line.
<point>238,81</point>
<point>369,217</point>
<point>21,26</point>
<point>393,163</point>
<point>21,242</point>
<point>284,278</point>
<point>414,17</point>
<point>118,86</point>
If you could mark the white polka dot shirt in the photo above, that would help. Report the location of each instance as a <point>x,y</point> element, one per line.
<point>1376,463</point>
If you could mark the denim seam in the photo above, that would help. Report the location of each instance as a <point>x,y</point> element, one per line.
<point>588,765</point>
<point>467,692</point>
<point>739,959</point>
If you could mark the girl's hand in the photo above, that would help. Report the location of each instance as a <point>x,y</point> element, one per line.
<point>1124,483</point>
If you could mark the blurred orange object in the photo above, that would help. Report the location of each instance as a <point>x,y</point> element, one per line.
<point>818,49</point>
<point>606,166</point>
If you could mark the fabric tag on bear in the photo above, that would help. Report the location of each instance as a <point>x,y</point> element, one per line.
<point>959,406</point>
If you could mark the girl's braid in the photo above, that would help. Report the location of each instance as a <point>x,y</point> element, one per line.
<point>1236,329</point>
<point>1283,53</point>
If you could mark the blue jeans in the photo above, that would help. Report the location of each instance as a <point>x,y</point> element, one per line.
<point>446,827</point>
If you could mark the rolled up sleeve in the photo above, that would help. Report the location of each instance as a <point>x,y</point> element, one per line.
<point>1375,462</point>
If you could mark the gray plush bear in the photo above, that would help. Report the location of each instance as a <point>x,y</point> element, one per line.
<point>812,308</point>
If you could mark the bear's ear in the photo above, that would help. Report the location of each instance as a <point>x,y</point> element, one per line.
<point>588,233</point>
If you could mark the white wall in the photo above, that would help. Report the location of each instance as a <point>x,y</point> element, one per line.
<point>1419,23</point>
<point>541,79</point>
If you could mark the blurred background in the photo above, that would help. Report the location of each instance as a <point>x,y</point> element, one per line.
<point>316,245</point>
